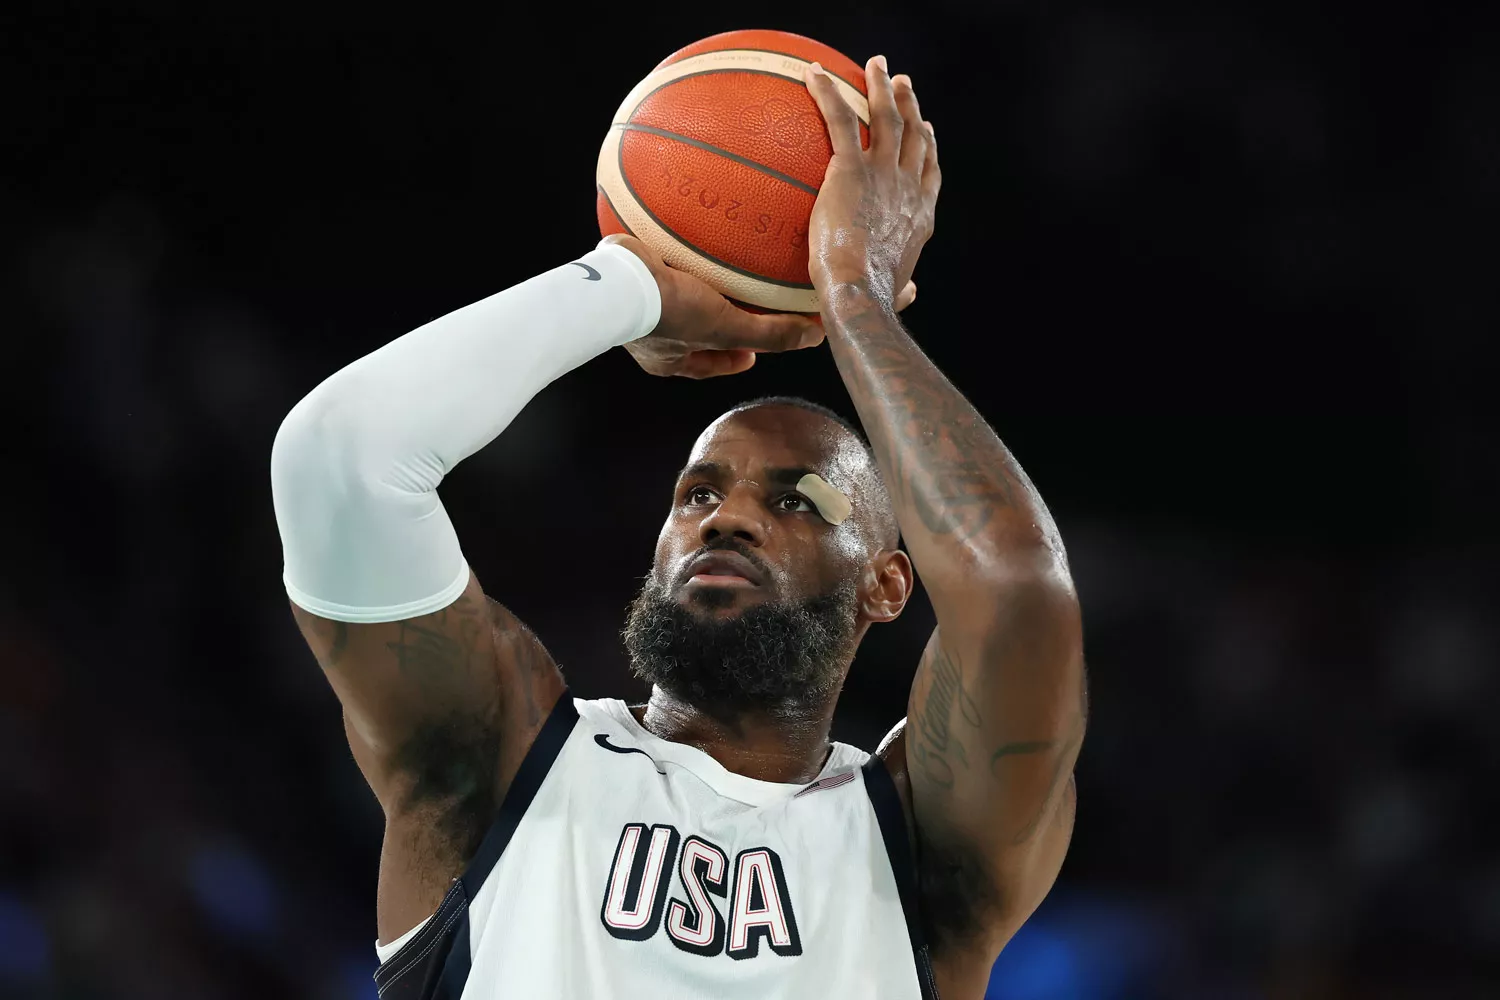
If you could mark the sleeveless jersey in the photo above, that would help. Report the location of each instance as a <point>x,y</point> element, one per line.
<point>621,865</point>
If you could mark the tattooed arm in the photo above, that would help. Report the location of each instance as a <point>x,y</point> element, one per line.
<point>439,711</point>
<point>996,714</point>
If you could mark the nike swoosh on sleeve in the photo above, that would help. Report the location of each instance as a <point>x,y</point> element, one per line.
<point>592,275</point>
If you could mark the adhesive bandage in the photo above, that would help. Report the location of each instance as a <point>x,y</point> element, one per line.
<point>831,503</point>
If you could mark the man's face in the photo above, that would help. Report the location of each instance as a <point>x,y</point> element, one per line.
<point>739,534</point>
<point>752,604</point>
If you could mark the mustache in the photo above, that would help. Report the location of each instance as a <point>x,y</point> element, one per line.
<point>726,544</point>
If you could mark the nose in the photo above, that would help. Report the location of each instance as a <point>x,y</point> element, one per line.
<point>739,515</point>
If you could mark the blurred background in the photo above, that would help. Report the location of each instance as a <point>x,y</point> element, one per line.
<point>1221,274</point>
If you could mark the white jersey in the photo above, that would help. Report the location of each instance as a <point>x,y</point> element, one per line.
<point>624,866</point>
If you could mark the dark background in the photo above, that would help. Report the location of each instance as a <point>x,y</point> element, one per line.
<point>1222,275</point>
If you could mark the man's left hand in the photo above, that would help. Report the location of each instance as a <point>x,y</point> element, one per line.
<point>875,209</point>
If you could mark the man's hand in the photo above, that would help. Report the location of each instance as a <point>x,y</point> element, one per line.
<point>701,334</point>
<point>875,209</point>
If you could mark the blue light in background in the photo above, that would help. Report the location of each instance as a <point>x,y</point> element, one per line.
<point>25,952</point>
<point>357,977</point>
<point>234,889</point>
<point>1040,964</point>
<point>1085,948</point>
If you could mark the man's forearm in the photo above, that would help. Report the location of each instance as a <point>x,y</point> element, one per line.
<point>967,511</point>
<point>996,712</point>
<point>995,715</point>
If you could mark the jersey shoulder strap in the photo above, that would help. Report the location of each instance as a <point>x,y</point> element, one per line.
<point>892,819</point>
<point>434,965</point>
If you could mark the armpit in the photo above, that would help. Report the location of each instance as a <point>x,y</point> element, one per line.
<point>958,896</point>
<point>450,768</point>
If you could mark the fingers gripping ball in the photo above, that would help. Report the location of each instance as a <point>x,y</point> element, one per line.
<point>715,158</point>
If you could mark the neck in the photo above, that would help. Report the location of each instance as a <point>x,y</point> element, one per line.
<point>788,748</point>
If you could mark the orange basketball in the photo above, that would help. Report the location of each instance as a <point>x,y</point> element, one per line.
<point>714,160</point>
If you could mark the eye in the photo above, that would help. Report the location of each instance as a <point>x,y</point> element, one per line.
<point>700,495</point>
<point>793,502</point>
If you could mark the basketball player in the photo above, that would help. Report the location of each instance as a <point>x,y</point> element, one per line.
<point>712,842</point>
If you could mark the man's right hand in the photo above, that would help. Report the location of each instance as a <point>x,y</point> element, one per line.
<point>702,334</point>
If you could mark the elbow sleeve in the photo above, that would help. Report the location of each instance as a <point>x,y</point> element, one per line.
<point>357,547</point>
<point>356,463</point>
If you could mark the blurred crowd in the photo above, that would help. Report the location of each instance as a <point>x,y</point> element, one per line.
<point>1292,745</point>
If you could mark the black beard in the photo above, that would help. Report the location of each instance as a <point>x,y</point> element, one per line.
<point>781,658</point>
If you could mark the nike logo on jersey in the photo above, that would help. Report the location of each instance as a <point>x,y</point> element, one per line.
<point>604,742</point>
<point>592,275</point>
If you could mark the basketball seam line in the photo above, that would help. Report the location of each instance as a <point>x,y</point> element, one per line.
<point>745,48</point>
<point>678,237</point>
<point>605,195</point>
<point>738,69</point>
<point>710,147</point>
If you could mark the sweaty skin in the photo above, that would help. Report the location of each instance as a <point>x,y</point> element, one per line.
<point>996,716</point>
<point>441,708</point>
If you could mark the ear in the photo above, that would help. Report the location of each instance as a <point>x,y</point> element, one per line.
<point>886,586</point>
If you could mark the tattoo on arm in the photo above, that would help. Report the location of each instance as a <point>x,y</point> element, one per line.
<point>1061,768</point>
<point>1062,773</point>
<point>970,515</point>
<point>427,654</point>
<point>332,634</point>
<point>935,747</point>
<point>947,712</point>
<point>1035,746</point>
<point>422,652</point>
<point>945,466</point>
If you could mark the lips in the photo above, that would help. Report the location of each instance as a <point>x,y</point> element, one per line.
<point>724,563</point>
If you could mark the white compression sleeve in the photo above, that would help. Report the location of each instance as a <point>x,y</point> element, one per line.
<point>356,463</point>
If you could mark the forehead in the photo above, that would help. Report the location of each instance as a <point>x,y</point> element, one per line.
<point>779,437</point>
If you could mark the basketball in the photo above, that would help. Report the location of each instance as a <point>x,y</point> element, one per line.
<point>715,158</point>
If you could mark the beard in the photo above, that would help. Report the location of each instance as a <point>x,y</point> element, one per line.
<point>781,658</point>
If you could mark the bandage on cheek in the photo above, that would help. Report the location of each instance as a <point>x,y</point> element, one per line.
<point>832,505</point>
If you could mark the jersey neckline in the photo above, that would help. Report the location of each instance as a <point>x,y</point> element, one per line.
<point>750,791</point>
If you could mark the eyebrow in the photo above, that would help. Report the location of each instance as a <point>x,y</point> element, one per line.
<point>702,470</point>
<point>790,476</point>
<point>716,472</point>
